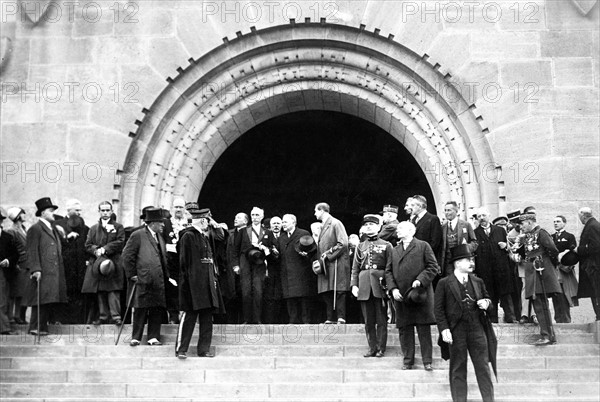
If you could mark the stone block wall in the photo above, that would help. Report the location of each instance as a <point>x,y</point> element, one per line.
<point>75,79</point>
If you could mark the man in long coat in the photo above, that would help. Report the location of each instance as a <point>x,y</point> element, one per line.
<point>563,302</point>
<point>298,282</point>
<point>455,231</point>
<point>145,263</point>
<point>368,268</point>
<point>460,301</point>
<point>105,240</point>
<point>199,292</point>
<point>17,307</point>
<point>541,276</point>
<point>409,276</point>
<point>9,256</point>
<point>333,252</point>
<point>492,265</point>
<point>45,263</point>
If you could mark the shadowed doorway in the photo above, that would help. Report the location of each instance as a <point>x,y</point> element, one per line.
<point>289,163</point>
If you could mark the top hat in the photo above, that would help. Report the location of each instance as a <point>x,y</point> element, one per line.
<point>153,215</point>
<point>500,218</point>
<point>104,265</point>
<point>255,255</point>
<point>371,218</point>
<point>569,259</point>
<point>459,252</point>
<point>42,204</point>
<point>390,208</point>
<point>306,244</point>
<point>143,215</point>
<point>513,216</point>
<point>14,212</point>
<point>416,295</point>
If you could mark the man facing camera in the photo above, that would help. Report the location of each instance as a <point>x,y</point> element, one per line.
<point>460,301</point>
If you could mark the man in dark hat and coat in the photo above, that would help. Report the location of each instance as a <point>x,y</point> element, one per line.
<point>298,282</point>
<point>199,291</point>
<point>105,241</point>
<point>145,263</point>
<point>45,264</point>
<point>460,302</point>
<point>409,276</point>
<point>368,268</point>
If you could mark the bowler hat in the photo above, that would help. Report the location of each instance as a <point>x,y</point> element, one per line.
<point>306,244</point>
<point>459,252</point>
<point>42,204</point>
<point>255,255</point>
<point>570,258</point>
<point>371,218</point>
<point>104,265</point>
<point>153,215</point>
<point>416,295</point>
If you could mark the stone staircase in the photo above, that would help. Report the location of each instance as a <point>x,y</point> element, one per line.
<point>284,363</point>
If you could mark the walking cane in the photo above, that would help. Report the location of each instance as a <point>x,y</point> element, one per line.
<point>126,311</point>
<point>539,262</point>
<point>334,284</point>
<point>38,337</point>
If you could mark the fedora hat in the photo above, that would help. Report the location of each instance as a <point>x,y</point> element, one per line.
<point>153,215</point>
<point>319,267</point>
<point>104,266</point>
<point>416,295</point>
<point>255,255</point>
<point>459,252</point>
<point>569,259</point>
<point>306,244</point>
<point>42,204</point>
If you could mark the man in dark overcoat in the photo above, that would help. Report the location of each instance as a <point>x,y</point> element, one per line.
<point>541,276</point>
<point>492,265</point>
<point>145,263</point>
<point>428,226</point>
<point>19,283</point>
<point>408,277</point>
<point>45,263</point>
<point>460,301</point>
<point>333,252</point>
<point>589,254</point>
<point>105,241</point>
<point>199,291</point>
<point>75,231</point>
<point>455,231</point>
<point>563,302</point>
<point>298,282</point>
<point>9,256</point>
<point>368,267</point>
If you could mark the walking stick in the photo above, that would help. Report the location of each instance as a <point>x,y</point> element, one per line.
<point>539,262</point>
<point>334,284</point>
<point>38,312</point>
<point>127,310</point>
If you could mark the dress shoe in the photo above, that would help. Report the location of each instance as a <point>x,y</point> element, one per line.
<point>523,320</point>
<point>535,320</point>
<point>328,322</point>
<point>428,367</point>
<point>118,322</point>
<point>181,355</point>
<point>98,322</point>
<point>380,353</point>
<point>370,353</point>
<point>341,321</point>
<point>19,321</point>
<point>509,320</point>
<point>406,367</point>
<point>35,333</point>
<point>542,342</point>
<point>206,354</point>
<point>154,342</point>
<point>134,342</point>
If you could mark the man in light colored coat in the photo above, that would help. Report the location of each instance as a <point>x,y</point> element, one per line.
<point>333,253</point>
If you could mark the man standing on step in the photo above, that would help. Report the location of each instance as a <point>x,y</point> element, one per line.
<point>409,276</point>
<point>199,291</point>
<point>563,302</point>
<point>145,263</point>
<point>368,268</point>
<point>460,301</point>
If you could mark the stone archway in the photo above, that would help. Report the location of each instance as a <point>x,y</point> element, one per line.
<point>308,66</point>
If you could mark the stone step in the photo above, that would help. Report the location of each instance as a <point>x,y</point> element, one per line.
<point>473,397</point>
<point>293,391</point>
<point>258,363</point>
<point>511,350</point>
<point>418,375</point>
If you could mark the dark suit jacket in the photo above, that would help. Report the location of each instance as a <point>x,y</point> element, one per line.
<point>465,235</point>
<point>297,277</point>
<point>9,250</point>
<point>429,229</point>
<point>388,232</point>
<point>143,257</point>
<point>589,247</point>
<point>243,243</point>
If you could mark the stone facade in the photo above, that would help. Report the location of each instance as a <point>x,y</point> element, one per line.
<point>133,101</point>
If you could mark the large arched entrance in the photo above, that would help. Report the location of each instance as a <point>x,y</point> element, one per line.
<point>289,163</point>
<point>303,67</point>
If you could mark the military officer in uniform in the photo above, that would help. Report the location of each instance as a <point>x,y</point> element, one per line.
<point>368,267</point>
<point>390,223</point>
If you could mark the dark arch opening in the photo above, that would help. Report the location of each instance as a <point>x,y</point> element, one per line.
<point>289,163</point>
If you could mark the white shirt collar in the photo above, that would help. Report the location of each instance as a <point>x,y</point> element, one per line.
<point>152,232</point>
<point>460,276</point>
<point>46,223</point>
<point>454,222</point>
